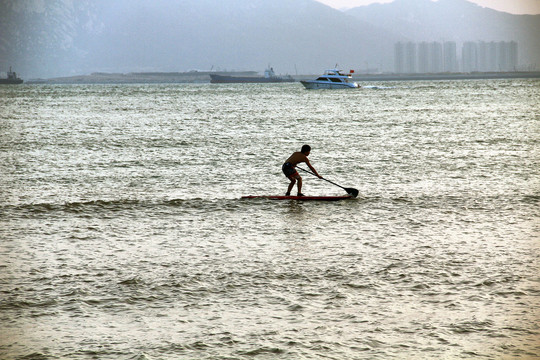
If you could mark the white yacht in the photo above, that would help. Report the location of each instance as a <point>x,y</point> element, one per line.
<point>332,79</point>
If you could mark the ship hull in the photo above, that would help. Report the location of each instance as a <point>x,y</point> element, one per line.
<point>327,85</point>
<point>11,81</point>
<point>223,79</point>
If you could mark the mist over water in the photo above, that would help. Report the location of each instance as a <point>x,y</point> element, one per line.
<point>59,38</point>
<point>124,235</point>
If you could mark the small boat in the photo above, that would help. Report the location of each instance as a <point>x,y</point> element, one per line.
<point>332,79</point>
<point>11,78</point>
<point>300,198</point>
<point>269,77</point>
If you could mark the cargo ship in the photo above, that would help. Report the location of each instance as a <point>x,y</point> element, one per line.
<point>269,77</point>
<point>11,78</point>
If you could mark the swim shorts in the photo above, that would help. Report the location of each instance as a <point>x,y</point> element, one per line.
<point>289,170</point>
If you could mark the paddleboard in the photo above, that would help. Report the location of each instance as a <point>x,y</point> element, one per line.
<point>300,198</point>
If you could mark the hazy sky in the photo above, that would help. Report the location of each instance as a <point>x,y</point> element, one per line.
<point>511,6</point>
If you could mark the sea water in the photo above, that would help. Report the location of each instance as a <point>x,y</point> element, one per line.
<point>124,235</point>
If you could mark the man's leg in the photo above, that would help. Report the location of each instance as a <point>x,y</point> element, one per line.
<point>299,185</point>
<point>291,184</point>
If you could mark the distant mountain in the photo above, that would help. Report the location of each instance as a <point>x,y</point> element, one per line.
<point>57,37</point>
<point>62,37</point>
<point>454,20</point>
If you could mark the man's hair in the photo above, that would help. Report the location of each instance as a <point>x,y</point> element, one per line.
<point>305,148</point>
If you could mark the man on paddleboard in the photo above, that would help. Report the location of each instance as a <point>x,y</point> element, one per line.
<point>289,168</point>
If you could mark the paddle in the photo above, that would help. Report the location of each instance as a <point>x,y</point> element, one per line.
<point>350,191</point>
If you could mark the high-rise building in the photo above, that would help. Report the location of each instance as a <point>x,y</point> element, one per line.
<point>450,63</point>
<point>512,56</point>
<point>482,56</point>
<point>469,57</point>
<point>490,56</point>
<point>507,56</point>
<point>502,56</point>
<point>405,58</point>
<point>423,57</point>
<point>410,57</point>
<point>434,57</point>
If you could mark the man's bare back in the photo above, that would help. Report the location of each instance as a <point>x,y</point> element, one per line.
<point>297,158</point>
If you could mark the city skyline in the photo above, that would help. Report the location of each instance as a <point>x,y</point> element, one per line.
<point>438,57</point>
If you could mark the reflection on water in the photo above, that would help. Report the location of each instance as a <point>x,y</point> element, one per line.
<point>124,235</point>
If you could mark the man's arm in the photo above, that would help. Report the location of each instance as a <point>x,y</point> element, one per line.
<point>313,169</point>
